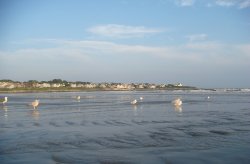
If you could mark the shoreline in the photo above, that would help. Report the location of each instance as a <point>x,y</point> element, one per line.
<point>48,90</point>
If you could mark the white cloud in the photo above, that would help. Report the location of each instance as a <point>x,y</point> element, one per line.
<point>244,4</point>
<point>85,50</point>
<point>122,31</point>
<point>105,61</point>
<point>226,3</point>
<point>197,37</point>
<point>185,2</point>
<point>244,49</point>
<point>241,4</point>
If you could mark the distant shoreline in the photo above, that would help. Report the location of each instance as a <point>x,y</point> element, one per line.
<point>41,90</point>
<point>59,85</point>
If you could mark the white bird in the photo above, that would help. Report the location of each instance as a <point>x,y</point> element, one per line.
<point>177,102</point>
<point>141,98</point>
<point>4,100</point>
<point>78,97</point>
<point>133,102</point>
<point>35,104</point>
<point>208,97</point>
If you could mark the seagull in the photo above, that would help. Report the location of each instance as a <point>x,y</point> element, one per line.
<point>177,102</point>
<point>133,102</point>
<point>141,98</point>
<point>78,97</point>
<point>4,100</point>
<point>35,104</point>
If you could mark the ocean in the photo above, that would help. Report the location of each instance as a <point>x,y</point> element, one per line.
<point>103,127</point>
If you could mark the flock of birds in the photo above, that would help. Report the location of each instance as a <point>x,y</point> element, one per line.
<point>176,102</point>
<point>34,104</point>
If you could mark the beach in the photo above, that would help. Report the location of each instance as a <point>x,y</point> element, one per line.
<point>103,127</point>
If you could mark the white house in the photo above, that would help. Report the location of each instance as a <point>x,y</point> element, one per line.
<point>178,85</point>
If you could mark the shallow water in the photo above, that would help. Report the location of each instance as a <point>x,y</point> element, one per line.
<point>103,127</point>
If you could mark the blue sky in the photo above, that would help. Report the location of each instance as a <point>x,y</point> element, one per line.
<point>203,43</point>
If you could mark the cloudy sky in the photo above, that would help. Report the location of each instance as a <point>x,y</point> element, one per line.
<point>204,43</point>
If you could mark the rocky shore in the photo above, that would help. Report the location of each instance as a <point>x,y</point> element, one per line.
<point>62,85</point>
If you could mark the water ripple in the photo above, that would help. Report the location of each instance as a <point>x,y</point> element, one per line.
<point>105,128</point>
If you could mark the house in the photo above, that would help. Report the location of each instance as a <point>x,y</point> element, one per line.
<point>91,85</point>
<point>152,86</point>
<point>73,85</point>
<point>178,85</point>
<point>57,85</point>
<point>42,85</point>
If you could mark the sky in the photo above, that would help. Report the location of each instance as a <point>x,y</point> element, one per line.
<point>203,43</point>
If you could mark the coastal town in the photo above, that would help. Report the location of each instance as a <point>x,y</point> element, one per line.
<point>62,85</point>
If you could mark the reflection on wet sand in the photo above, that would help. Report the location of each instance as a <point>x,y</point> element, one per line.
<point>5,109</point>
<point>135,110</point>
<point>178,109</point>
<point>35,114</point>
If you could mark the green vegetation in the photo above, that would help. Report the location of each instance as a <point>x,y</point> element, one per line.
<point>7,80</point>
<point>59,89</point>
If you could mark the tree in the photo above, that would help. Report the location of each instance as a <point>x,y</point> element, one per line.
<point>6,80</point>
<point>60,81</point>
<point>32,81</point>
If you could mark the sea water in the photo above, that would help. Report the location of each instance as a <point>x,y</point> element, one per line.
<point>103,127</point>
